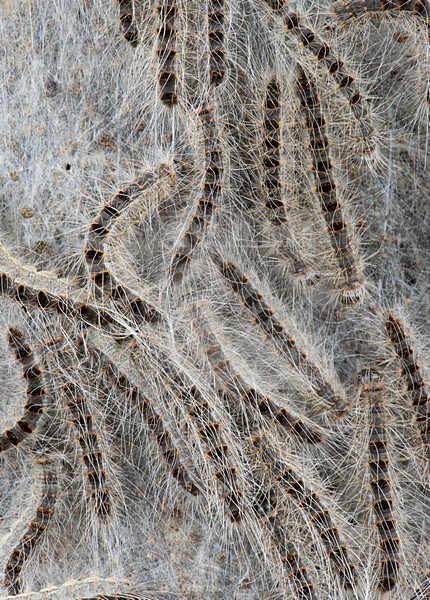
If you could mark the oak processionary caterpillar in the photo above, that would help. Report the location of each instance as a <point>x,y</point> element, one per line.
<point>236,384</point>
<point>95,255</point>
<point>372,391</point>
<point>416,387</point>
<point>166,36</point>
<point>128,21</point>
<point>319,517</point>
<point>266,507</point>
<point>353,288</point>
<point>346,12</point>
<point>208,202</point>
<point>37,527</point>
<point>345,82</point>
<point>276,330</point>
<point>34,407</point>
<point>216,35</point>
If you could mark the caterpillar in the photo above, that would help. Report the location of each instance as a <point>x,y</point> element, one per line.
<point>147,408</point>
<point>14,270</point>
<point>322,52</point>
<point>44,300</point>
<point>345,12</point>
<point>272,184</point>
<point>265,317</point>
<point>95,256</point>
<point>128,22</point>
<point>416,387</point>
<point>277,5</point>
<point>91,455</point>
<point>37,527</point>
<point>208,201</point>
<point>166,34</point>
<point>353,284</point>
<point>316,513</point>
<point>83,421</point>
<point>266,507</point>
<point>34,407</point>
<point>271,161</point>
<point>236,384</point>
<point>217,58</point>
<point>209,431</point>
<point>164,440</point>
<point>372,394</point>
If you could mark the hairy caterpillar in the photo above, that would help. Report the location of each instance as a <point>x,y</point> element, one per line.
<point>148,409</point>
<point>415,385</point>
<point>372,393</point>
<point>272,186</point>
<point>208,202</point>
<point>83,421</point>
<point>34,407</point>
<point>235,383</point>
<point>209,431</point>
<point>316,513</point>
<point>166,34</point>
<point>352,280</point>
<point>95,256</point>
<point>264,315</point>
<point>268,509</point>
<point>217,59</point>
<point>345,12</point>
<point>37,527</point>
<point>91,455</point>
<point>345,82</point>
<point>128,21</point>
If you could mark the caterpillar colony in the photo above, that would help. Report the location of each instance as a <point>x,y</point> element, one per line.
<point>214,281</point>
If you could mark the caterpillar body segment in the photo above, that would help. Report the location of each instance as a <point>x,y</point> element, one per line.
<point>209,199</point>
<point>372,393</point>
<point>35,406</point>
<point>95,255</point>
<point>60,304</point>
<point>321,519</point>
<point>236,384</point>
<point>83,421</point>
<point>276,330</point>
<point>272,183</point>
<point>127,17</point>
<point>166,42</point>
<point>352,288</point>
<point>416,387</point>
<point>37,527</point>
<point>216,38</point>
